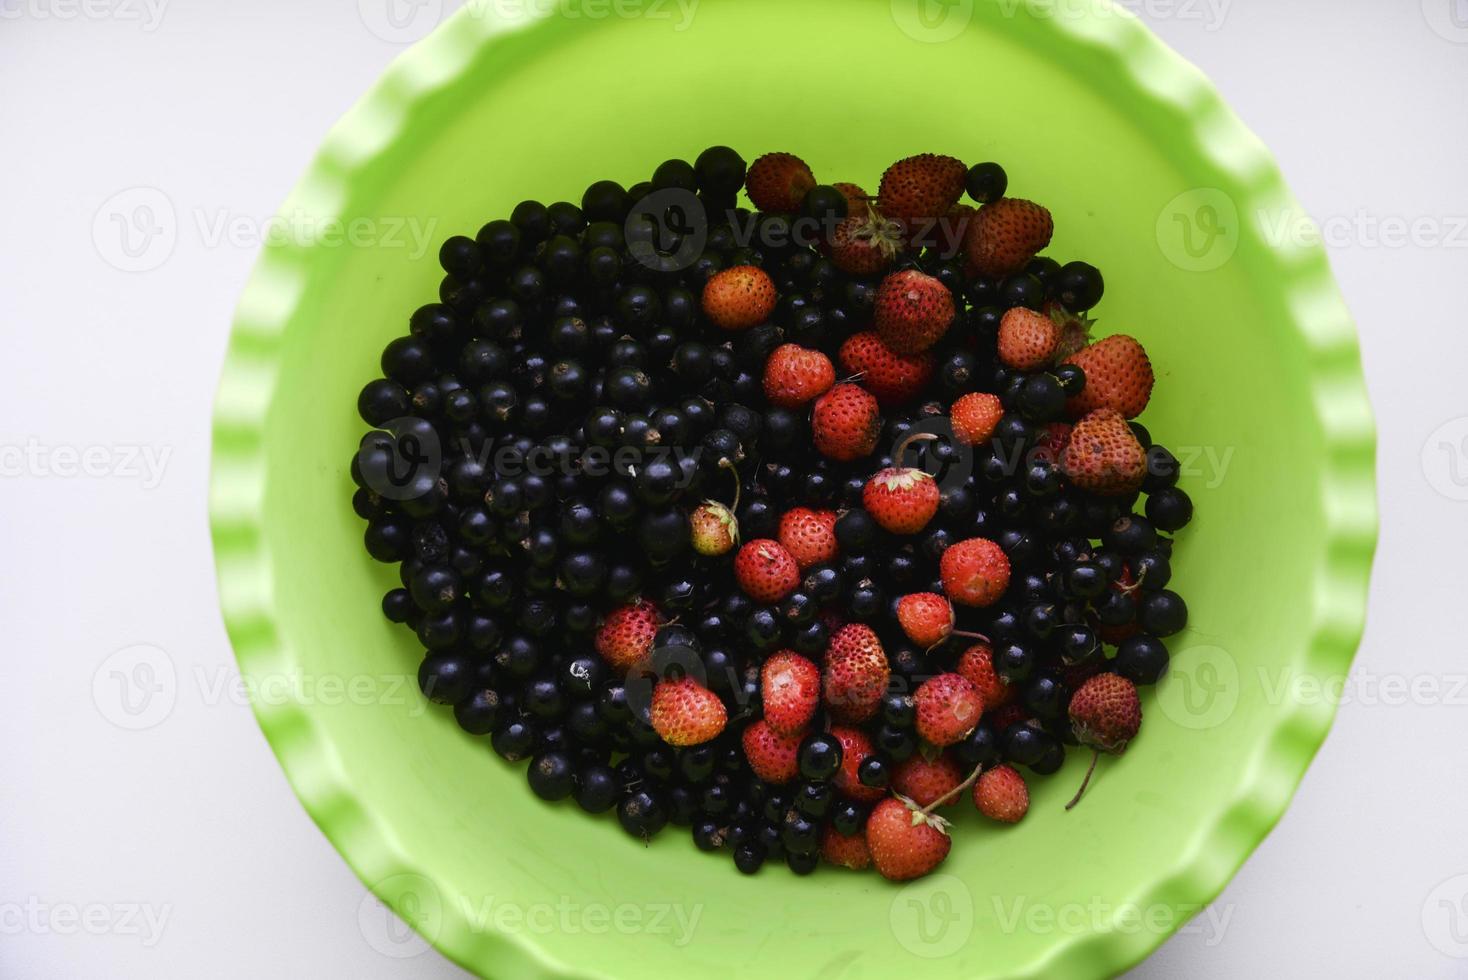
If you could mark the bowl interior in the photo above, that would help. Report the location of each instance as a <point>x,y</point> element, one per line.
<point>481,117</point>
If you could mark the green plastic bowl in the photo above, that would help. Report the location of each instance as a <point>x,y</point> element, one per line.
<point>1148,175</point>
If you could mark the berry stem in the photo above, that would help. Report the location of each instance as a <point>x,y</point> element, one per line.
<point>972,778</point>
<point>727,464</point>
<point>1095,754</point>
<point>902,446</point>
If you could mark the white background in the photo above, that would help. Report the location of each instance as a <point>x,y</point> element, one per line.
<point>218,106</point>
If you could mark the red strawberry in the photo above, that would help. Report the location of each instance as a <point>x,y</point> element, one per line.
<point>845,423</point>
<point>1118,376</point>
<point>1000,794</point>
<point>778,182</point>
<point>865,243</point>
<point>948,708</point>
<point>1052,442</point>
<point>765,571</point>
<point>927,780</point>
<point>771,756</point>
<point>1103,455</point>
<point>926,618</point>
<point>684,712</point>
<point>846,852</point>
<point>739,298</point>
<point>809,535</point>
<point>906,843</point>
<point>923,186</point>
<point>625,637</point>
<point>855,747</point>
<point>975,572</point>
<point>912,311</point>
<point>790,689</point>
<point>856,673</point>
<point>974,417</point>
<point>856,197</point>
<point>795,375</point>
<point>901,499</point>
<point>894,378</point>
<point>1105,714</point>
<point>715,530</point>
<point>976,664</point>
<point>1027,339</point>
<point>1005,235</point>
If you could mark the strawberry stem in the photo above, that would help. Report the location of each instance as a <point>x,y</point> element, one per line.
<point>1095,754</point>
<point>902,446</point>
<point>972,778</point>
<point>727,464</point>
<point>972,636</point>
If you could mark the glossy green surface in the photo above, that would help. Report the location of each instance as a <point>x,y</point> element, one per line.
<point>1259,390</point>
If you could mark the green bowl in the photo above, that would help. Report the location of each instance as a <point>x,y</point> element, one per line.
<point>1149,176</point>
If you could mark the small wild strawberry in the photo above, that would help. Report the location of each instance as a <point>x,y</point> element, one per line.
<point>684,712</point>
<point>912,311</point>
<point>845,423</point>
<point>926,618</point>
<point>1105,714</point>
<point>948,708</point>
<point>795,375</point>
<point>713,528</point>
<point>1000,794</point>
<point>739,298</point>
<point>975,572</point>
<point>1118,376</point>
<point>778,182</point>
<point>765,571</point>
<point>905,842</point>
<point>902,499</point>
<point>625,636</point>
<point>809,535</point>
<point>790,691</point>
<point>894,378</point>
<point>856,673</point>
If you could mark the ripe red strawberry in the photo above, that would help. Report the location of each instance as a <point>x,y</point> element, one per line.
<point>894,378</point>
<point>765,571</point>
<point>1105,714</point>
<point>684,712</point>
<point>912,311</point>
<point>926,618</point>
<point>975,572</point>
<point>855,747</point>
<point>790,689</point>
<point>927,780</point>
<point>795,375</point>
<point>906,843</point>
<point>845,423</point>
<point>865,243</point>
<point>714,529</point>
<point>778,182</point>
<point>809,535</point>
<point>772,756</point>
<point>739,298</point>
<point>974,417</point>
<point>846,852</point>
<point>1052,442</point>
<point>1118,376</point>
<point>856,673</point>
<point>1027,339</point>
<point>976,664</point>
<point>1001,794</point>
<point>922,186</point>
<point>1005,235</point>
<point>901,499</point>
<point>625,637</point>
<point>1103,455</point>
<point>948,708</point>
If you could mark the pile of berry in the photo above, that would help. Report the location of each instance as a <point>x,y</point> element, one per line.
<point>791,525</point>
